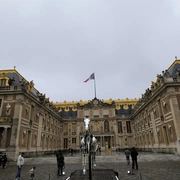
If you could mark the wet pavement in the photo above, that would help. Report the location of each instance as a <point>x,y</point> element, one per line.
<point>154,166</point>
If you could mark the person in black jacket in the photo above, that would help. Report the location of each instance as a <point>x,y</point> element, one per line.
<point>58,153</point>
<point>134,155</point>
<point>60,163</point>
<point>4,160</point>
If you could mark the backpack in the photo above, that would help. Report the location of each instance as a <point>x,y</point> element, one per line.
<point>60,160</point>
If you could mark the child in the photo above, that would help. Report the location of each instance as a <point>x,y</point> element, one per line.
<point>32,172</point>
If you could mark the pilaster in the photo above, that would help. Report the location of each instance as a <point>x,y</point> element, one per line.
<point>154,130</point>
<point>39,133</point>
<point>13,149</point>
<point>176,114</point>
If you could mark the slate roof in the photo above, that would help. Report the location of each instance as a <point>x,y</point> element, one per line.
<point>69,113</point>
<point>16,77</point>
<point>172,71</point>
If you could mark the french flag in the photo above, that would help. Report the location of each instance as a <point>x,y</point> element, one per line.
<point>92,76</point>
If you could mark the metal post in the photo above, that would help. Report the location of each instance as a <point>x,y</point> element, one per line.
<point>140,176</point>
<point>89,140</point>
<point>90,172</point>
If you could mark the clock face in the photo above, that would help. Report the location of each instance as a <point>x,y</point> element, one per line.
<point>95,102</point>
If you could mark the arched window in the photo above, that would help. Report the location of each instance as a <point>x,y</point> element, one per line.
<point>106,126</point>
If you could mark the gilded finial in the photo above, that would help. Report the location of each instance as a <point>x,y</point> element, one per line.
<point>175,57</point>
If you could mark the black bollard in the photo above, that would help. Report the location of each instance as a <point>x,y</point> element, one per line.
<point>140,176</point>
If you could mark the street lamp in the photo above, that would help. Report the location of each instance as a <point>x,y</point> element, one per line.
<point>88,141</point>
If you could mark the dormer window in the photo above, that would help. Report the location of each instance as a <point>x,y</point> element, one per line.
<point>3,82</point>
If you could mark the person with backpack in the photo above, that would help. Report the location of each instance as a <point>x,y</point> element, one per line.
<point>60,163</point>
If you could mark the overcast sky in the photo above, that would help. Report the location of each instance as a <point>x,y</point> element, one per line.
<point>60,43</point>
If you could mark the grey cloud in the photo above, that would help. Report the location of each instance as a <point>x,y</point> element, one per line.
<point>59,44</point>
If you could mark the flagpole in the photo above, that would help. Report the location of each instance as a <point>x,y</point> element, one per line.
<point>94,85</point>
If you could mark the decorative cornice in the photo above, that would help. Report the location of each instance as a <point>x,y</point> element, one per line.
<point>118,103</point>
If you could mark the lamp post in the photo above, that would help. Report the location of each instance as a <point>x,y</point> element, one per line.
<point>88,141</point>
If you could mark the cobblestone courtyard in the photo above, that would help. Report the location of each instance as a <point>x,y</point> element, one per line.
<point>151,166</point>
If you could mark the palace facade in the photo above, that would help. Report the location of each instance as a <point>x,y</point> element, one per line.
<point>29,122</point>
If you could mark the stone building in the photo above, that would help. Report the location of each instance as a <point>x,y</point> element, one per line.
<point>150,123</point>
<point>29,122</point>
<point>156,117</point>
<point>110,122</point>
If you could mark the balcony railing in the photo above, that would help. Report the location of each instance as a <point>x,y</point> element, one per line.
<point>100,133</point>
<point>10,88</point>
<point>6,120</point>
<point>4,88</point>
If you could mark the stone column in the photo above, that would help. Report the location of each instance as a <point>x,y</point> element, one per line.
<point>78,130</point>
<point>13,150</point>
<point>101,141</point>
<point>133,142</point>
<point>39,148</point>
<point>154,130</point>
<point>150,139</point>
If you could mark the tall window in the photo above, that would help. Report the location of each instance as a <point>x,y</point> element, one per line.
<point>91,128</point>
<point>106,126</point>
<point>32,113</point>
<point>128,126</point>
<point>96,113</point>
<point>120,127</point>
<point>65,129</point>
<point>73,140</point>
<point>3,82</point>
<point>73,129</point>
<point>106,112</point>
<point>65,142</point>
<point>86,112</point>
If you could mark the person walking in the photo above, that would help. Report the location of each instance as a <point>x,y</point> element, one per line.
<point>127,153</point>
<point>60,163</point>
<point>118,148</point>
<point>20,163</point>
<point>134,155</point>
<point>4,160</point>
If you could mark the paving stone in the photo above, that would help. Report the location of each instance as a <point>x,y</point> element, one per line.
<point>151,167</point>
